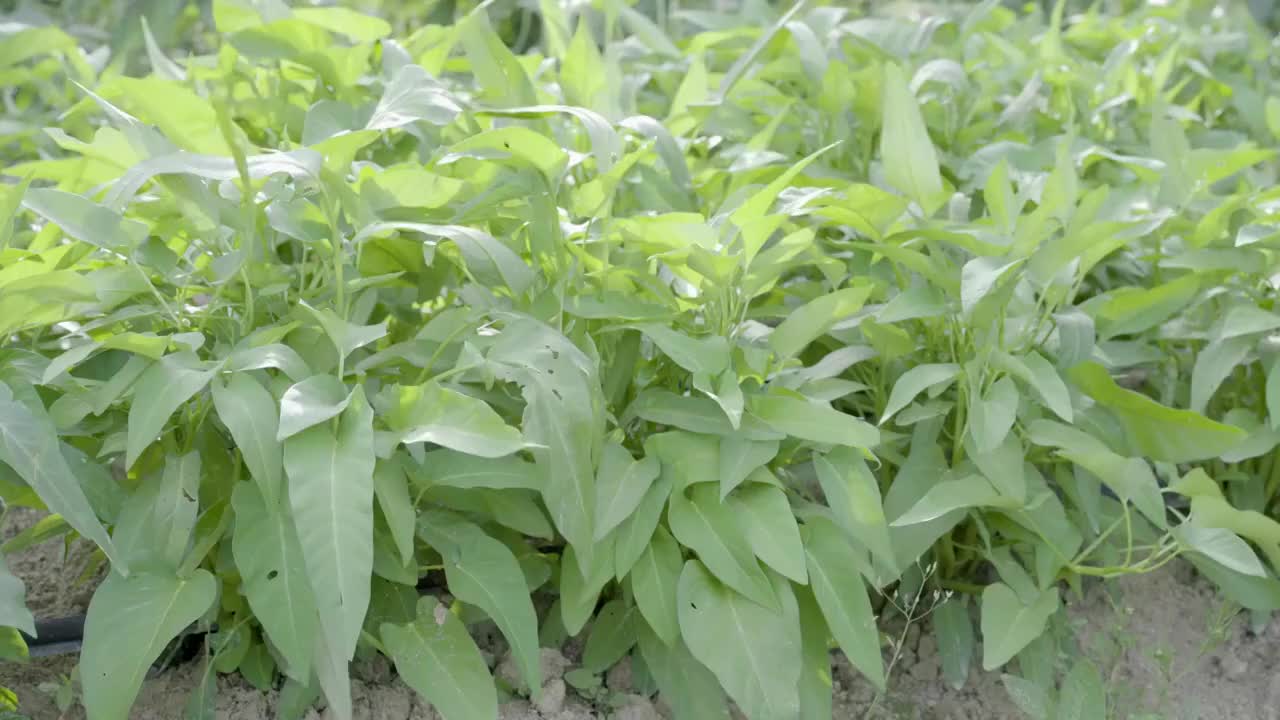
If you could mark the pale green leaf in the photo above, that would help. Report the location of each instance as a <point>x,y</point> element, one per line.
<point>653,582</point>
<point>161,390</point>
<point>129,623</point>
<point>330,489</point>
<point>438,659</point>
<point>915,381</point>
<point>754,651</point>
<point>274,575</point>
<point>311,402</point>
<point>841,593</point>
<point>249,412</point>
<point>1008,625</point>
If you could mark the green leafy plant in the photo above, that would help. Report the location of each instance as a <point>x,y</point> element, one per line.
<point>713,329</point>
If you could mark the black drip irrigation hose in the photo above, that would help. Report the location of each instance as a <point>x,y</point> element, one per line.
<point>65,635</point>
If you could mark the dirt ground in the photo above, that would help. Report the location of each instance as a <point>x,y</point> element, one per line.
<point>1166,647</point>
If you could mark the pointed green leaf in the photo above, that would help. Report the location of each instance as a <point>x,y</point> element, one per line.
<point>129,623</point>
<point>391,488</point>
<point>435,414</point>
<point>269,559</point>
<point>915,381</point>
<point>992,415</point>
<point>967,492</point>
<point>771,529</point>
<point>155,525</point>
<point>249,412</point>
<point>712,529</point>
<point>854,498</point>
<point>813,421</point>
<point>621,483</point>
<point>161,390</point>
<point>753,651</point>
<point>739,456</point>
<point>330,481</point>
<point>841,593</point>
<point>811,320</point>
<point>346,336</point>
<point>653,582</point>
<point>13,608</point>
<point>1039,375</point>
<point>1083,695</point>
<point>29,444</point>
<point>1161,433</point>
<point>685,684</point>
<point>483,572</point>
<point>612,635</point>
<point>954,633</point>
<point>1008,625</point>
<point>910,163</point>
<point>633,534</point>
<point>311,402</point>
<point>438,659</point>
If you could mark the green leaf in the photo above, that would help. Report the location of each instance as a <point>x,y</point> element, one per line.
<point>1039,375</point>
<point>713,530</point>
<point>708,355</point>
<point>854,498</point>
<point>992,415</point>
<point>910,163</point>
<point>811,320</point>
<point>483,572</point>
<point>563,421</point>
<point>438,659</point>
<point>161,390</point>
<point>754,651</point>
<point>330,483</point>
<point>84,220</point>
<point>311,402</point>
<point>249,412</point>
<point>633,534</point>
<point>1222,546</point>
<point>653,582</point>
<point>612,636</point>
<point>29,444</point>
<point>1083,694</point>
<point>1161,433</point>
<point>771,529</point>
<point>915,381</point>
<point>580,591</point>
<point>968,492</point>
<point>953,631</point>
<point>435,414</point>
<point>269,559</point>
<point>1214,364</point>
<point>686,684</point>
<point>346,336</point>
<point>129,623</point>
<point>155,525</point>
<point>838,586</point>
<point>13,609</point>
<point>1130,478</point>
<point>391,489</point>
<point>1028,696</point>
<point>815,671</point>
<point>455,469</point>
<point>621,483</point>
<point>740,456</point>
<point>1008,625</point>
<point>816,422</point>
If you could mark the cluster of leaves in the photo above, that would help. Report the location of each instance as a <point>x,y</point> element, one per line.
<point>722,333</point>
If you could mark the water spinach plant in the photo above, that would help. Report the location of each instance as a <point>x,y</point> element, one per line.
<point>712,337</point>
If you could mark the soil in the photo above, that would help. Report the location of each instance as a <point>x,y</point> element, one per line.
<point>1168,648</point>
